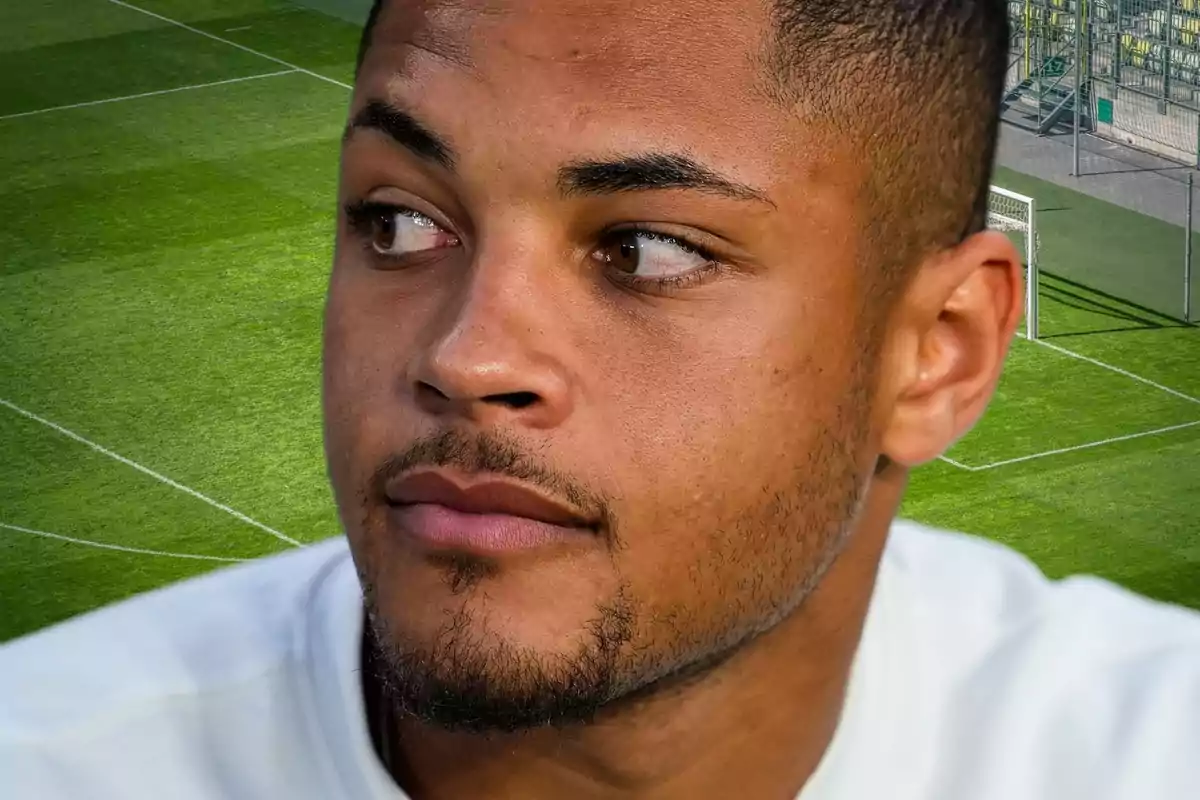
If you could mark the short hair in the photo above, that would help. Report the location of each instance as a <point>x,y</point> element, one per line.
<point>916,85</point>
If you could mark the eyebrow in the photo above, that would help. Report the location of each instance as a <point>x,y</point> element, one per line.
<point>404,129</point>
<point>649,172</point>
<point>633,173</point>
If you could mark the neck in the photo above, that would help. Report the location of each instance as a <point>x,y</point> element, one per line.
<point>756,725</point>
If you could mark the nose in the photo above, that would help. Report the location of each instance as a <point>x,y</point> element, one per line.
<point>494,361</point>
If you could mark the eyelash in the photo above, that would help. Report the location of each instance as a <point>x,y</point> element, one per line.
<point>363,214</point>
<point>671,283</point>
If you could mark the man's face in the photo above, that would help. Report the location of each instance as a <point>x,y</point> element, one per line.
<point>616,275</point>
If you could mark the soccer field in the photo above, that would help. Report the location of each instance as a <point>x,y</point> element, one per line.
<point>167,195</point>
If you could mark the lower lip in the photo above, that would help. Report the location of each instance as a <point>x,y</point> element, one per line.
<point>442,527</point>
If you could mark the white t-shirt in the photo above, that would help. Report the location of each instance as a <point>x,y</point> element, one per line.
<point>977,679</point>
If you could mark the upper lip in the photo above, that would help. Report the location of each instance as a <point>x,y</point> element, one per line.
<point>483,494</point>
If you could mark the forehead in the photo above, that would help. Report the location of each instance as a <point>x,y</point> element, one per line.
<point>666,73</point>
<point>583,41</point>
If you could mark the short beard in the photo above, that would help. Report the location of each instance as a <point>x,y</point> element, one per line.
<point>467,679</point>
<point>463,683</point>
<point>467,682</point>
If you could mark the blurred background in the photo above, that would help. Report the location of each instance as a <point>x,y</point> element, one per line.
<point>167,198</point>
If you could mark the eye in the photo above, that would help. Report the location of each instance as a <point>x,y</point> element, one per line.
<point>397,231</point>
<point>650,255</point>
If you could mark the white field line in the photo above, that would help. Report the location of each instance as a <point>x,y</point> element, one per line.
<point>242,47</point>
<point>147,471</point>
<point>1087,446</point>
<point>120,548</point>
<point>146,94</point>
<point>1118,370</point>
<point>957,464</point>
<point>103,546</point>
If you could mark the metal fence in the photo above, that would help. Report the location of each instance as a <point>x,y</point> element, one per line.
<point>1126,71</point>
<point>1134,65</point>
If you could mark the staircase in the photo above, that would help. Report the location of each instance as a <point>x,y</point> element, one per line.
<point>1044,102</point>
<point>1045,59</point>
<point>1045,109</point>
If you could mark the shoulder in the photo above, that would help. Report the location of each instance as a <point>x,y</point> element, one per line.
<point>216,633</point>
<point>961,580</point>
<point>1060,688</point>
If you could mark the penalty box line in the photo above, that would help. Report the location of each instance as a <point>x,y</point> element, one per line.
<point>1096,362</point>
<point>159,93</point>
<point>1103,365</point>
<point>1075,448</point>
<point>151,473</point>
<point>58,537</point>
<point>229,42</point>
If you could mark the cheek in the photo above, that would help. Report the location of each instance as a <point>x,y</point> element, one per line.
<point>734,466</point>
<point>373,321</point>
<point>732,395</point>
<point>364,352</point>
<point>698,465</point>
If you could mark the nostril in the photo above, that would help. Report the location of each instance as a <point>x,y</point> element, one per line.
<point>514,400</point>
<point>430,389</point>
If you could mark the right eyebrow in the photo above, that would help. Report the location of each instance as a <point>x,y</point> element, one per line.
<point>642,172</point>
<point>403,128</point>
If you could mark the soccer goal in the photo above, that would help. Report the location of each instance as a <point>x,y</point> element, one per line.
<point>1014,214</point>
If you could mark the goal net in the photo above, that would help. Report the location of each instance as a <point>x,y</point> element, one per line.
<point>1013,214</point>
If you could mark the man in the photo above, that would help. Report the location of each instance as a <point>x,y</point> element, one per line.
<point>641,315</point>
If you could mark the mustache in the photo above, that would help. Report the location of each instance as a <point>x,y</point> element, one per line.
<point>487,452</point>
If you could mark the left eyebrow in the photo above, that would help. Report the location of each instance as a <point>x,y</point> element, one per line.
<point>651,172</point>
<point>404,129</point>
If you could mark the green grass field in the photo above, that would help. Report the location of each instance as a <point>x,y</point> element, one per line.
<point>163,268</point>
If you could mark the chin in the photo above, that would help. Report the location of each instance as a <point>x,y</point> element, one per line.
<point>544,607</point>
<point>492,660</point>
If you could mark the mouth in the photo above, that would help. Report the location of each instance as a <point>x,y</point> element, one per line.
<point>444,510</point>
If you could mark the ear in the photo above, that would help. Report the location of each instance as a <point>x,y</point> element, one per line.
<point>950,333</point>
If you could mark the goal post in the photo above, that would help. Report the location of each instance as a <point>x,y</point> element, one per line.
<point>1014,214</point>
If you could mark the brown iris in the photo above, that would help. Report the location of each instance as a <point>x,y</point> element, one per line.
<point>384,230</point>
<point>622,252</point>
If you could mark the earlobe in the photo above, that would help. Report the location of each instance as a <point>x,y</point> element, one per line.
<point>960,315</point>
<point>923,427</point>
